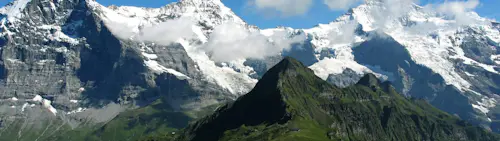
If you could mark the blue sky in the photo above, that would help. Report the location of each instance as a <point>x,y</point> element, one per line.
<point>318,13</point>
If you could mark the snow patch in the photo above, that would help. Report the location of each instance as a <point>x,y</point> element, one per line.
<point>80,109</point>
<point>496,58</point>
<point>460,54</point>
<point>485,104</point>
<point>468,74</point>
<point>150,56</point>
<point>61,49</point>
<point>45,103</point>
<point>54,33</point>
<point>481,108</point>
<point>157,68</point>
<point>328,66</point>
<point>52,5</point>
<point>74,101</point>
<point>81,89</point>
<point>37,98</point>
<point>24,107</point>
<point>14,99</point>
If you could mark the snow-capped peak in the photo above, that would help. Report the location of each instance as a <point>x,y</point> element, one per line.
<point>412,26</point>
<point>14,10</point>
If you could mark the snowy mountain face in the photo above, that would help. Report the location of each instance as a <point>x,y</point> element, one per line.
<point>77,60</point>
<point>425,54</point>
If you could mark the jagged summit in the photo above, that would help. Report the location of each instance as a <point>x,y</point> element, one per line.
<point>288,63</point>
<point>369,80</point>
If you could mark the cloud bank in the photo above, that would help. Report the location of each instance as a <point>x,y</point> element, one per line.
<point>163,33</point>
<point>346,33</point>
<point>284,7</point>
<point>393,9</point>
<point>340,4</point>
<point>167,32</point>
<point>231,41</point>
<point>459,10</point>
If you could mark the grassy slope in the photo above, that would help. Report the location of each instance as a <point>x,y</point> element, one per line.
<point>157,119</point>
<point>291,103</point>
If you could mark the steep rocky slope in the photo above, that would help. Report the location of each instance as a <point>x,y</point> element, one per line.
<point>62,68</point>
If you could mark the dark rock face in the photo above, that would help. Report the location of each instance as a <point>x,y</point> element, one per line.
<point>412,79</point>
<point>67,55</point>
<point>260,66</point>
<point>304,52</point>
<point>479,48</point>
<point>35,62</point>
<point>346,78</point>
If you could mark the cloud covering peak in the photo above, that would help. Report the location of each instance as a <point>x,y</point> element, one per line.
<point>284,7</point>
<point>459,10</point>
<point>340,4</point>
<point>231,41</point>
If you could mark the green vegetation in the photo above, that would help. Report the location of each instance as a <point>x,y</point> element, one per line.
<point>156,120</point>
<point>150,120</point>
<point>291,104</point>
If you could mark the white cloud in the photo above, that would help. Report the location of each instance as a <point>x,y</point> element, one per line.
<point>459,10</point>
<point>393,9</point>
<point>163,33</point>
<point>285,7</point>
<point>340,4</point>
<point>167,32</point>
<point>422,28</point>
<point>231,41</point>
<point>458,7</point>
<point>346,33</point>
<point>121,30</point>
<point>459,13</point>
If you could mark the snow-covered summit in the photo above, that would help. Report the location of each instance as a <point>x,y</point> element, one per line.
<point>433,38</point>
<point>459,47</point>
<point>208,12</point>
<point>13,10</point>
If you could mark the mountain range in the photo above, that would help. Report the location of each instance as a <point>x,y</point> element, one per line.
<point>291,103</point>
<point>72,64</point>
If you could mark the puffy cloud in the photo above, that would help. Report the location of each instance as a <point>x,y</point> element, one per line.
<point>422,28</point>
<point>231,41</point>
<point>459,10</point>
<point>162,33</point>
<point>285,7</point>
<point>346,33</point>
<point>393,9</point>
<point>120,30</point>
<point>167,32</point>
<point>340,4</point>
<point>458,7</point>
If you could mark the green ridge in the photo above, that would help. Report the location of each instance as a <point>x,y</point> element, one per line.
<point>290,103</point>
